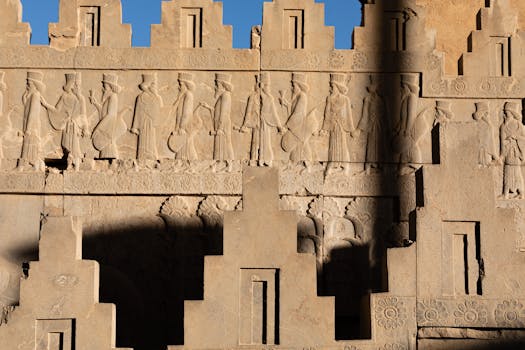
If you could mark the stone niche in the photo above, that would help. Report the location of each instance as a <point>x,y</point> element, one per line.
<point>290,195</point>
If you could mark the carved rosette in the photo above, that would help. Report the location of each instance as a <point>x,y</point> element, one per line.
<point>430,312</point>
<point>470,312</point>
<point>390,313</point>
<point>510,313</point>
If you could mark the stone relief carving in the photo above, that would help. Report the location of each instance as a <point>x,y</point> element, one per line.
<point>488,152</point>
<point>512,137</point>
<point>111,125</point>
<point>373,125</point>
<point>338,124</point>
<point>222,125</point>
<point>34,107</point>
<point>8,133</point>
<point>69,117</point>
<point>147,118</point>
<point>413,123</point>
<point>261,118</point>
<point>187,121</point>
<point>256,37</point>
<point>301,123</point>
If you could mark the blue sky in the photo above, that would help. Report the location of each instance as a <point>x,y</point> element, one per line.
<point>242,14</point>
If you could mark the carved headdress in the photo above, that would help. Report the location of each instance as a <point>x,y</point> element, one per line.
<point>187,78</point>
<point>300,79</point>
<point>412,80</point>
<point>224,79</point>
<point>36,78</point>
<point>265,78</point>
<point>71,78</point>
<point>147,80</point>
<point>339,80</point>
<point>112,80</point>
<point>513,107</point>
<point>482,106</point>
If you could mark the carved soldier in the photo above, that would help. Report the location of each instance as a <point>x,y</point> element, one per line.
<point>512,138</point>
<point>147,114</point>
<point>443,112</point>
<point>33,102</point>
<point>256,37</point>
<point>374,125</point>
<point>69,116</point>
<point>6,124</point>
<point>261,117</point>
<point>488,152</point>
<point>338,123</point>
<point>223,148</point>
<point>301,124</point>
<point>111,126</point>
<point>187,123</point>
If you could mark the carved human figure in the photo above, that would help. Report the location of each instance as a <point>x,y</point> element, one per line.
<point>443,112</point>
<point>146,118</point>
<point>488,152</point>
<point>412,125</point>
<point>223,148</point>
<point>32,128</point>
<point>373,125</point>
<point>69,116</point>
<point>512,138</point>
<point>256,37</point>
<point>111,126</point>
<point>338,124</point>
<point>187,122</point>
<point>261,118</point>
<point>6,122</point>
<point>301,123</point>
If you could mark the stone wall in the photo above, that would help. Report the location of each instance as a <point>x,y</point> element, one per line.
<point>405,179</point>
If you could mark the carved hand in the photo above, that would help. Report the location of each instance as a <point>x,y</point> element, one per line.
<point>135,131</point>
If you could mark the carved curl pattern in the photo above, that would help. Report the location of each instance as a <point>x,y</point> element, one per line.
<point>430,311</point>
<point>510,313</point>
<point>390,313</point>
<point>470,312</point>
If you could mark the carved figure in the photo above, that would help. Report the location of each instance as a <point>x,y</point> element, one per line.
<point>443,112</point>
<point>338,123</point>
<point>33,102</point>
<point>187,122</point>
<point>147,117</point>
<point>256,37</point>
<point>261,117</point>
<point>512,137</point>
<point>223,148</point>
<point>111,126</point>
<point>5,119</point>
<point>488,152</point>
<point>373,124</point>
<point>301,123</point>
<point>69,116</point>
<point>413,125</point>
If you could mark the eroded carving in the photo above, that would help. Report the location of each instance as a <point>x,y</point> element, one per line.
<point>34,106</point>
<point>261,118</point>
<point>488,153</point>
<point>301,124</point>
<point>69,117</point>
<point>147,119</point>
<point>111,125</point>
<point>512,137</point>
<point>222,125</point>
<point>338,124</point>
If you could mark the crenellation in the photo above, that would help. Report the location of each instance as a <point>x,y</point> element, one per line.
<point>13,32</point>
<point>89,23</point>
